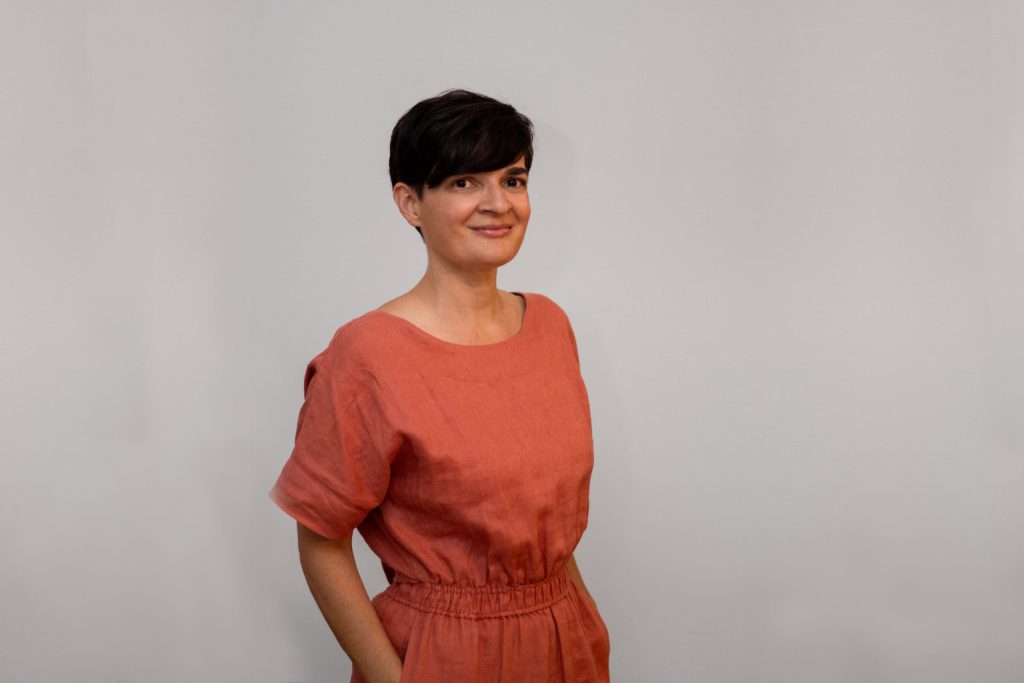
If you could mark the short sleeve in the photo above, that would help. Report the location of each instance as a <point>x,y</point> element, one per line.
<point>340,466</point>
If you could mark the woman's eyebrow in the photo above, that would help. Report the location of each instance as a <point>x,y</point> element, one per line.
<point>517,170</point>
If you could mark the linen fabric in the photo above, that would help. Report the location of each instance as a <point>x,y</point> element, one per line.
<point>466,469</point>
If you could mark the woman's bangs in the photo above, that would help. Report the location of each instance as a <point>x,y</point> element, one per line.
<point>481,149</point>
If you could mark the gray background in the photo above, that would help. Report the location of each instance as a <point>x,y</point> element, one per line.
<point>789,236</point>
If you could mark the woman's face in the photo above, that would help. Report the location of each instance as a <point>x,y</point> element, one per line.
<point>454,215</point>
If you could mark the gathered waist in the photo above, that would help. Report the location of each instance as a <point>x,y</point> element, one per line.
<point>496,600</point>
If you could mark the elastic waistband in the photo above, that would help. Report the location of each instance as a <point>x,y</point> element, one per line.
<point>481,601</point>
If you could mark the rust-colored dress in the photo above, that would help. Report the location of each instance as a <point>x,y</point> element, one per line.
<point>466,468</point>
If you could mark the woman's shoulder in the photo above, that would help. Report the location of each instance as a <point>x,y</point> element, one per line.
<point>557,320</point>
<point>548,306</point>
<point>355,343</point>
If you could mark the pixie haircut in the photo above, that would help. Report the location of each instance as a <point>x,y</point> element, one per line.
<point>457,131</point>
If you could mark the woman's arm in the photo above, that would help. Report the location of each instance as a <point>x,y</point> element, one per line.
<point>334,581</point>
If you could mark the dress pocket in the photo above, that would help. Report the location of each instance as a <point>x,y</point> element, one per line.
<point>593,624</point>
<point>396,620</point>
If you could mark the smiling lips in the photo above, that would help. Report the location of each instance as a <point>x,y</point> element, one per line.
<point>493,230</point>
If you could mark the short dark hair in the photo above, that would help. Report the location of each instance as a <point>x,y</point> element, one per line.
<point>457,131</point>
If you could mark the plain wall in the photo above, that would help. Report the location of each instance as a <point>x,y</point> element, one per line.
<point>788,234</point>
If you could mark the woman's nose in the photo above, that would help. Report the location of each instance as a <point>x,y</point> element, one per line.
<point>494,199</point>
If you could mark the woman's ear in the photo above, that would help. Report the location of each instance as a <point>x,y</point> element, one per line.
<point>407,202</point>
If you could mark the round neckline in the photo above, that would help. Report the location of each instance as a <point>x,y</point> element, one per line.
<point>523,325</point>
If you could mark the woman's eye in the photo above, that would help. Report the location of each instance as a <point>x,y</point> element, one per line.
<point>461,182</point>
<point>517,182</point>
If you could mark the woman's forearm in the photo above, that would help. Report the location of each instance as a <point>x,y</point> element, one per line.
<point>334,581</point>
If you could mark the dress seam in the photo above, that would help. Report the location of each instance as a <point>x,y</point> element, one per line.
<point>470,615</point>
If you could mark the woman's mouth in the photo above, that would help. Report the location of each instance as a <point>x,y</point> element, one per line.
<point>493,230</point>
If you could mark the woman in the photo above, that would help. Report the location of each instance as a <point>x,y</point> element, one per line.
<point>451,426</point>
